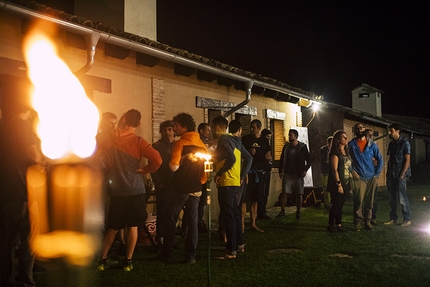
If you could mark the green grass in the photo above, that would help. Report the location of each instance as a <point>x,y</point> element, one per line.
<point>297,253</point>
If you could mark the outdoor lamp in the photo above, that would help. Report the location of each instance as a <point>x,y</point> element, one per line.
<point>315,108</point>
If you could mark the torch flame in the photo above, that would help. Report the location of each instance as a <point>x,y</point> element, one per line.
<point>67,118</point>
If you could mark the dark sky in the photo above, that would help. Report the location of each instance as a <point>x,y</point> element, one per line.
<point>326,47</point>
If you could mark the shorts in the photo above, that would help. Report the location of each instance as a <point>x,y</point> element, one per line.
<point>293,183</point>
<point>255,188</point>
<point>127,211</point>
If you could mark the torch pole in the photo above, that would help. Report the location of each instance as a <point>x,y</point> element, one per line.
<point>208,202</point>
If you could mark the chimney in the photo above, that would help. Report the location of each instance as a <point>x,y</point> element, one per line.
<point>367,99</point>
<point>133,16</point>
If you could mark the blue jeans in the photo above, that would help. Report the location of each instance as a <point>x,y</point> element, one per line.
<point>397,190</point>
<point>228,199</point>
<point>177,201</point>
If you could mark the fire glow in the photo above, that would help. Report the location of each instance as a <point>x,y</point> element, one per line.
<point>66,199</point>
<point>67,118</point>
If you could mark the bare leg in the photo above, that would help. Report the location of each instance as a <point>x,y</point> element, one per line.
<point>131,240</point>
<point>283,201</point>
<point>253,213</point>
<point>107,242</point>
<point>299,201</point>
<point>243,210</point>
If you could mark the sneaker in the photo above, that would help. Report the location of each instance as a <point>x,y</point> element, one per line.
<point>331,228</point>
<point>280,214</point>
<point>406,223</point>
<point>127,266</point>
<point>391,221</point>
<point>358,227</point>
<point>368,226</point>
<point>297,214</point>
<point>226,256</point>
<point>103,264</point>
<point>189,261</point>
<point>340,228</point>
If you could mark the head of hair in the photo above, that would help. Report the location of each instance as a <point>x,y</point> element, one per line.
<point>220,121</point>
<point>294,132</point>
<point>257,123</point>
<point>185,120</point>
<point>202,126</point>
<point>234,126</point>
<point>105,122</point>
<point>266,132</point>
<point>357,124</point>
<point>335,144</point>
<point>396,127</point>
<point>165,124</point>
<point>131,118</point>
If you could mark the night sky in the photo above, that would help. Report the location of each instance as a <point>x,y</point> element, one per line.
<point>325,47</point>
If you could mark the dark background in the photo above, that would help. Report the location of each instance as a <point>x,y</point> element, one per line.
<point>326,47</point>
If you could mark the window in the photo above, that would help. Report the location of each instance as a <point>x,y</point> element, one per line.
<point>278,140</point>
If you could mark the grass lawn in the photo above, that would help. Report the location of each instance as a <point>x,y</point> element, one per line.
<point>294,253</point>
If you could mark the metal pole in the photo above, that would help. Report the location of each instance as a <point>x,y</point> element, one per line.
<point>208,202</point>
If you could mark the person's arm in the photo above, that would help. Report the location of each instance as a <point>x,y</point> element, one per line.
<point>246,163</point>
<point>406,164</point>
<point>281,163</point>
<point>378,157</point>
<point>407,160</point>
<point>153,156</point>
<point>334,163</point>
<point>225,149</point>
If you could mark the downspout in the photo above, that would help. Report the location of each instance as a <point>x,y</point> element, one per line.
<point>248,87</point>
<point>91,40</point>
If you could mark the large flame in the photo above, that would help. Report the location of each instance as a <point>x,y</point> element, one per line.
<point>67,118</point>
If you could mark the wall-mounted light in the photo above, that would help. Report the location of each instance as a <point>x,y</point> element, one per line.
<point>315,107</point>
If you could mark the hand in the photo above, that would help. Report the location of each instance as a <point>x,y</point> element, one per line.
<point>281,176</point>
<point>340,189</point>
<point>355,174</point>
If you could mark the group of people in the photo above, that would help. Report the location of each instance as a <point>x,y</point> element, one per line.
<point>177,171</point>
<point>242,174</point>
<point>356,165</point>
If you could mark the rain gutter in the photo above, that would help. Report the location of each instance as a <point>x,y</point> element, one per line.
<point>92,36</point>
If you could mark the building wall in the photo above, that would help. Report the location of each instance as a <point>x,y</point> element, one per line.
<point>156,92</point>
